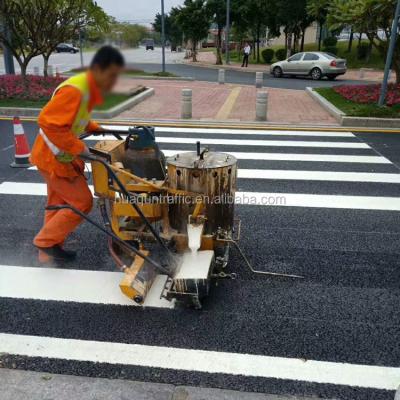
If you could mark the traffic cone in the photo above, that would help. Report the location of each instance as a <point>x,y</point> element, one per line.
<point>22,151</point>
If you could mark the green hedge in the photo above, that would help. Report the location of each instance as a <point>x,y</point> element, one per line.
<point>268,55</point>
<point>280,54</point>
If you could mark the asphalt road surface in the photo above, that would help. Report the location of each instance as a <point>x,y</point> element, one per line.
<point>333,334</point>
<point>150,61</point>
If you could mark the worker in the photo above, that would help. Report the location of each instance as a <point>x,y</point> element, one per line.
<point>57,149</point>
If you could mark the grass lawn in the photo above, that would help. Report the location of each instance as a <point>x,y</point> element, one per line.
<point>358,110</point>
<point>109,102</point>
<point>352,61</point>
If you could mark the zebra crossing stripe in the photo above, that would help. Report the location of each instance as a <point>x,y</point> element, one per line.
<point>203,361</point>
<point>256,198</point>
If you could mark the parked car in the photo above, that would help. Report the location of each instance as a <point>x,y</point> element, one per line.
<point>316,64</point>
<point>66,48</point>
<point>149,43</point>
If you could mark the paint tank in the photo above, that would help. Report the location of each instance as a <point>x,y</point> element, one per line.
<point>210,174</point>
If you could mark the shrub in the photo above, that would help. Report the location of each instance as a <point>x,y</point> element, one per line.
<point>331,49</point>
<point>280,54</point>
<point>362,51</point>
<point>268,55</point>
<point>330,41</point>
<point>369,94</point>
<point>31,88</point>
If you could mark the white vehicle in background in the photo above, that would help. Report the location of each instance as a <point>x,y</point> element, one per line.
<point>316,64</point>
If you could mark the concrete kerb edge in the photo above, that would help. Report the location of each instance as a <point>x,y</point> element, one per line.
<point>327,105</point>
<point>111,113</point>
<point>347,121</point>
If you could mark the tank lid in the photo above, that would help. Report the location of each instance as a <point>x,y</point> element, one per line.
<point>210,160</point>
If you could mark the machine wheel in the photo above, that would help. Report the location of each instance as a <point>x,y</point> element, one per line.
<point>316,74</point>
<point>278,73</point>
<point>72,51</point>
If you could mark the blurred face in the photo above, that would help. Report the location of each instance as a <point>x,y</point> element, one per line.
<point>106,78</point>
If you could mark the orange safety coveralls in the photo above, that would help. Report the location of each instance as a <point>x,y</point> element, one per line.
<point>66,183</point>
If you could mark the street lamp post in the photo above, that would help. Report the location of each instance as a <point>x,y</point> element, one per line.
<point>228,22</point>
<point>163,35</point>
<point>389,57</point>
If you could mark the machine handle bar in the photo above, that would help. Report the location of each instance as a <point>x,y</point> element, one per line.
<point>112,235</point>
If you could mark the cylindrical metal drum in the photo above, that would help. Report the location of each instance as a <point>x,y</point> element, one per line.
<point>210,174</point>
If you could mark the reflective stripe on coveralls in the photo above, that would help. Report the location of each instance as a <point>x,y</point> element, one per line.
<point>82,117</point>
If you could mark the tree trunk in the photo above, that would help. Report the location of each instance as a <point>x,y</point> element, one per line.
<point>286,40</point>
<point>369,51</point>
<point>219,46</point>
<point>320,36</point>
<point>258,44</point>
<point>45,64</point>
<point>254,48</point>
<point>23,65</point>
<point>194,51</point>
<point>289,45</point>
<point>303,34</point>
<point>350,45</point>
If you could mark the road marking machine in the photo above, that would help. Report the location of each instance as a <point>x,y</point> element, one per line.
<point>171,219</point>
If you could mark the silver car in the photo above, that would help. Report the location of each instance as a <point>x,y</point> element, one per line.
<point>316,64</point>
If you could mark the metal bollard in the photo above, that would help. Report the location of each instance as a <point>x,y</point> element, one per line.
<point>259,79</point>
<point>362,73</point>
<point>221,76</point>
<point>36,71</point>
<point>261,106</point>
<point>186,110</point>
<point>50,71</point>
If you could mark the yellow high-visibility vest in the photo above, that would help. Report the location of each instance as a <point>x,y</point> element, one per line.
<point>82,117</point>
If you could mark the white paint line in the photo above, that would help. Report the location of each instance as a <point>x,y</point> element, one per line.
<point>264,143</point>
<point>318,175</point>
<point>298,157</point>
<point>257,198</point>
<point>212,362</point>
<point>99,287</point>
<point>288,157</point>
<point>161,129</point>
<point>307,175</point>
<point>318,201</point>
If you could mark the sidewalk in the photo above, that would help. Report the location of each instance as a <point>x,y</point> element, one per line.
<point>208,59</point>
<point>228,102</point>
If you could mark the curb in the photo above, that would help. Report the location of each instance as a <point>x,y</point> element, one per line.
<point>159,78</point>
<point>327,105</point>
<point>148,77</point>
<point>358,122</point>
<point>118,109</point>
<point>227,67</point>
<point>111,113</point>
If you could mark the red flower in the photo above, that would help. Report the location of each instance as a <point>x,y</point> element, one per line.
<point>31,88</point>
<point>369,94</point>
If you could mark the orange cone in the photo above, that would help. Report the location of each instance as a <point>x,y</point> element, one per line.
<point>22,151</point>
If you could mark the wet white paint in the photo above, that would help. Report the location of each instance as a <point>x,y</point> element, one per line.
<point>98,287</point>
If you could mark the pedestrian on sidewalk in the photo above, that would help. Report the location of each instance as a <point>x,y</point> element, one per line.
<point>57,149</point>
<point>246,54</point>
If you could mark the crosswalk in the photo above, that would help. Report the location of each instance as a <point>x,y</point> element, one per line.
<point>322,177</point>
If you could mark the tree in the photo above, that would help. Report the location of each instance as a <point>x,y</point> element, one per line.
<point>64,19</point>
<point>369,16</point>
<point>194,21</point>
<point>217,13</point>
<point>24,21</point>
<point>173,31</point>
<point>38,26</point>
<point>293,16</point>
<point>318,9</point>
